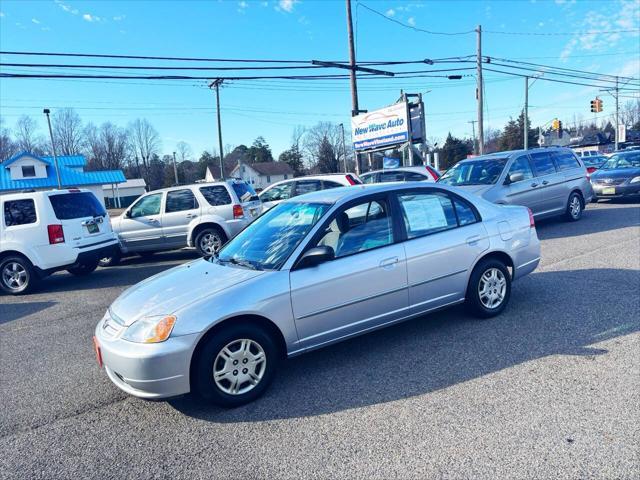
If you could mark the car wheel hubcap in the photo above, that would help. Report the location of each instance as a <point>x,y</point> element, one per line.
<point>210,243</point>
<point>575,207</point>
<point>14,275</point>
<point>492,288</point>
<point>239,366</point>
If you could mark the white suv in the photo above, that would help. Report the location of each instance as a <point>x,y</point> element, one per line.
<point>276,193</point>
<point>43,232</point>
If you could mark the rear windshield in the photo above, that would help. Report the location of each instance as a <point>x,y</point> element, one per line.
<point>244,191</point>
<point>76,205</point>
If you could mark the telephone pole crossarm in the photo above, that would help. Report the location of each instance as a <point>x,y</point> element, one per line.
<point>354,68</point>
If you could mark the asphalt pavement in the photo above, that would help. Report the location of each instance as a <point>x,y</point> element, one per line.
<point>550,389</point>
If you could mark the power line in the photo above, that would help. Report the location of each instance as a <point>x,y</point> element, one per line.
<point>548,79</point>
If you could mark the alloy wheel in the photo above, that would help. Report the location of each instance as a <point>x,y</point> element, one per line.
<point>239,366</point>
<point>492,288</point>
<point>14,276</point>
<point>575,206</point>
<point>210,243</point>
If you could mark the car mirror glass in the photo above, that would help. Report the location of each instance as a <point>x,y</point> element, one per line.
<point>514,177</point>
<point>316,256</point>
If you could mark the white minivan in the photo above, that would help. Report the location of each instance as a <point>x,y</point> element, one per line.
<point>44,232</point>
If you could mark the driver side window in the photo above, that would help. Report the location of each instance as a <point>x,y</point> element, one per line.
<point>149,205</point>
<point>521,165</point>
<point>359,228</point>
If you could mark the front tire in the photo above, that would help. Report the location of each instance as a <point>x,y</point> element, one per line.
<point>235,365</point>
<point>83,269</point>
<point>17,275</point>
<point>575,206</point>
<point>209,240</point>
<point>489,289</point>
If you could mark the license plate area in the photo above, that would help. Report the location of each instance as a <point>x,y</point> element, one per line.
<point>93,228</point>
<point>609,191</point>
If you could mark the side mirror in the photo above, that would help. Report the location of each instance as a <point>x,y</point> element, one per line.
<point>316,256</point>
<point>127,214</point>
<point>514,177</point>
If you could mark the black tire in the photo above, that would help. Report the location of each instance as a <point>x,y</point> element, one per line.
<point>575,207</point>
<point>83,269</point>
<point>215,234</point>
<point>203,365</point>
<point>27,279</point>
<point>111,261</point>
<point>474,303</point>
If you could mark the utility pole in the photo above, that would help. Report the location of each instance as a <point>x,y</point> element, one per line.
<point>475,141</point>
<point>175,168</point>
<point>526,113</point>
<point>352,75</point>
<point>216,83</point>
<point>479,93</point>
<point>344,149</point>
<point>46,111</point>
<point>617,116</point>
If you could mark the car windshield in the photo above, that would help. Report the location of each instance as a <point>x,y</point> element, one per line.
<point>484,171</point>
<point>626,160</point>
<point>267,242</point>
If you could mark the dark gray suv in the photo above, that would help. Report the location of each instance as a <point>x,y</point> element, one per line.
<point>550,181</point>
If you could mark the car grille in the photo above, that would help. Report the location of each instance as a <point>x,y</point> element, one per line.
<point>112,325</point>
<point>610,181</point>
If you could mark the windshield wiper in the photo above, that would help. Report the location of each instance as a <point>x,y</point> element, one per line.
<point>245,263</point>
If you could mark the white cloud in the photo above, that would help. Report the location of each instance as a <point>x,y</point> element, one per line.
<point>90,18</point>
<point>243,4</point>
<point>119,18</point>
<point>390,13</point>
<point>36,21</point>
<point>286,5</point>
<point>1,14</point>
<point>45,29</point>
<point>411,21</point>
<point>67,8</point>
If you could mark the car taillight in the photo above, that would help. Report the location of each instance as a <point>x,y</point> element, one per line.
<point>532,221</point>
<point>590,170</point>
<point>237,211</point>
<point>56,234</point>
<point>432,172</point>
<point>350,180</point>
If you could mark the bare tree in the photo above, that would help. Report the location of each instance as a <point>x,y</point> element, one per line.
<point>27,137</point>
<point>67,131</point>
<point>145,141</point>
<point>183,151</point>
<point>7,146</point>
<point>630,113</point>
<point>108,146</point>
<point>323,146</point>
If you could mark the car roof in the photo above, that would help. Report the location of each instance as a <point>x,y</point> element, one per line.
<point>196,185</point>
<point>509,153</point>
<point>407,168</point>
<point>32,193</point>
<point>334,195</point>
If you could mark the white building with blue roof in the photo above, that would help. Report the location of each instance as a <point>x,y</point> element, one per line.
<point>26,171</point>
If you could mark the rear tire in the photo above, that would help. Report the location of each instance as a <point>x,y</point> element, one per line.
<point>209,240</point>
<point>17,275</point>
<point>575,206</point>
<point>235,365</point>
<point>83,269</point>
<point>489,289</point>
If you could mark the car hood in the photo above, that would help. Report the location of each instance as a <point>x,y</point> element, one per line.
<point>475,189</point>
<point>177,287</point>
<point>615,173</point>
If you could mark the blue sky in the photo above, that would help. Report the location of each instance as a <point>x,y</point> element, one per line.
<point>310,30</point>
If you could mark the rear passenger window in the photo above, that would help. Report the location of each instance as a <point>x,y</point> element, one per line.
<point>414,177</point>
<point>543,163</point>
<point>466,213</point>
<point>327,184</point>
<point>566,160</point>
<point>391,177</point>
<point>19,212</point>
<point>216,196</point>
<point>307,186</point>
<point>426,213</point>
<point>180,200</point>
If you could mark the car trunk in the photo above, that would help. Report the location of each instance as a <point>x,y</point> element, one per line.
<point>83,218</point>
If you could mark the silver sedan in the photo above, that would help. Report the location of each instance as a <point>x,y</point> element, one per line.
<point>314,270</point>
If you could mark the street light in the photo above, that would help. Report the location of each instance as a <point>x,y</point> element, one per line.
<point>46,111</point>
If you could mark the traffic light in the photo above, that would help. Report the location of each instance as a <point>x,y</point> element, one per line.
<point>559,129</point>
<point>594,106</point>
<point>555,124</point>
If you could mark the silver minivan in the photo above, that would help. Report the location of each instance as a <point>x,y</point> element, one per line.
<point>202,215</point>
<point>550,181</point>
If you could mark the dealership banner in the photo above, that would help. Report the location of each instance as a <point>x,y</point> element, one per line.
<point>386,126</point>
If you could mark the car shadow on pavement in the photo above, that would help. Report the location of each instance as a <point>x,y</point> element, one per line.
<point>550,313</point>
<point>594,220</point>
<point>13,311</point>
<point>129,272</point>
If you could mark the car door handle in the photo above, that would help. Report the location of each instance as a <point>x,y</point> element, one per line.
<point>191,215</point>
<point>473,240</point>
<point>534,185</point>
<point>154,220</point>
<point>388,262</point>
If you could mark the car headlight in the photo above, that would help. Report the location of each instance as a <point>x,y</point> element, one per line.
<point>634,180</point>
<point>150,329</point>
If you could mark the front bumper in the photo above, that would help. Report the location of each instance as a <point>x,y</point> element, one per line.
<point>619,191</point>
<point>146,370</point>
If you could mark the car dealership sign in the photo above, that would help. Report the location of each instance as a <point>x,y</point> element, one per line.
<point>386,126</point>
